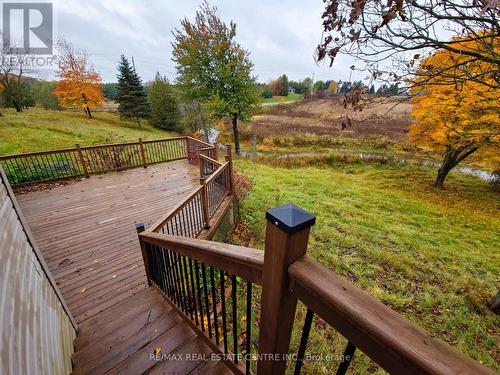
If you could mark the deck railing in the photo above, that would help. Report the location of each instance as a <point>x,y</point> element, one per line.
<point>193,214</point>
<point>195,147</point>
<point>84,161</point>
<point>205,279</point>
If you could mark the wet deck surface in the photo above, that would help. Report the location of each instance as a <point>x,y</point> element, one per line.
<point>143,333</point>
<point>86,230</point>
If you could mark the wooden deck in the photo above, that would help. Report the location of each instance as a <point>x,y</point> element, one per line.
<point>125,338</point>
<point>87,235</point>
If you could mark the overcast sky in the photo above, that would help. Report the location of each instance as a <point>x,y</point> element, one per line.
<point>280,35</point>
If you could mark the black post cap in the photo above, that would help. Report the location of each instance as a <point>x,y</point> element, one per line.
<point>290,218</point>
<point>140,227</point>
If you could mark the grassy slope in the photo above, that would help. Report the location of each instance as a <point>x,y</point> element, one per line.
<point>279,99</point>
<point>430,254</point>
<point>37,129</point>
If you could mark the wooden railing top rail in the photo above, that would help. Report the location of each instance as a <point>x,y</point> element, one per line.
<point>160,222</point>
<point>396,344</point>
<point>45,152</point>
<point>165,139</point>
<point>200,141</point>
<point>35,153</point>
<point>217,172</point>
<point>241,261</point>
<point>209,159</point>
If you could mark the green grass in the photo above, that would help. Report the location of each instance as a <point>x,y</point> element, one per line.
<point>430,254</point>
<point>38,130</point>
<point>280,99</point>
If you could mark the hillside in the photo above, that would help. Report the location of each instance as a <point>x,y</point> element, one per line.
<point>38,130</point>
<point>421,251</point>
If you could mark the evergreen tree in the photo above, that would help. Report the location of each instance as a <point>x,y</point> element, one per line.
<point>110,90</point>
<point>284,85</point>
<point>131,96</point>
<point>164,106</point>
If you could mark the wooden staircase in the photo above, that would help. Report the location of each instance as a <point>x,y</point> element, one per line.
<point>122,339</point>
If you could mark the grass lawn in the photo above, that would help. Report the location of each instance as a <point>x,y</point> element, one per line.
<point>280,99</point>
<point>38,130</point>
<point>432,255</point>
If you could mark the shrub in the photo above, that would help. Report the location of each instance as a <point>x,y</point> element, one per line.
<point>164,106</point>
<point>266,94</point>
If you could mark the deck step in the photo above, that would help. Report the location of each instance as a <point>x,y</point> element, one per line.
<point>121,340</point>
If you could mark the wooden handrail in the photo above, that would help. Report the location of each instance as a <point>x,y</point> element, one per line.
<point>243,262</point>
<point>217,172</point>
<point>38,153</point>
<point>393,342</point>
<point>62,150</point>
<point>164,139</point>
<point>209,159</point>
<point>287,275</point>
<point>200,141</point>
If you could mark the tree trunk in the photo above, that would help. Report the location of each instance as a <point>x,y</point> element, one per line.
<point>87,110</point>
<point>495,304</point>
<point>236,134</point>
<point>17,106</point>
<point>443,171</point>
<point>452,158</point>
<point>138,122</point>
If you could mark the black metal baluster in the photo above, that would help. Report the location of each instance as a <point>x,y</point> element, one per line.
<point>214,304</point>
<point>172,277</point>
<point>235,320</point>
<point>193,289</point>
<point>171,272</point>
<point>155,263</point>
<point>186,279</point>
<point>197,270</point>
<point>183,287</point>
<point>303,341</point>
<point>162,278</point>
<point>168,281</point>
<point>178,281</point>
<point>249,327</point>
<point>152,265</point>
<point>348,355</point>
<point>204,276</point>
<point>223,313</point>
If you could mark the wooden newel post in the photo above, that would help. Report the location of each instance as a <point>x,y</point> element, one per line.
<point>140,228</point>
<point>143,154</point>
<point>82,160</point>
<point>287,234</point>
<point>201,165</point>
<point>229,158</point>
<point>204,199</point>
<point>216,152</point>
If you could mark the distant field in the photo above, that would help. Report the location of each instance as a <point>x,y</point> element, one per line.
<point>326,116</point>
<point>38,130</point>
<point>323,123</point>
<point>428,255</point>
<point>281,99</point>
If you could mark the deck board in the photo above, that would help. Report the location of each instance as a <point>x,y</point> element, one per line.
<point>86,230</point>
<point>122,339</point>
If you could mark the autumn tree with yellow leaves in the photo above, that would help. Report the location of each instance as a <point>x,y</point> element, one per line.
<point>80,86</point>
<point>456,113</point>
